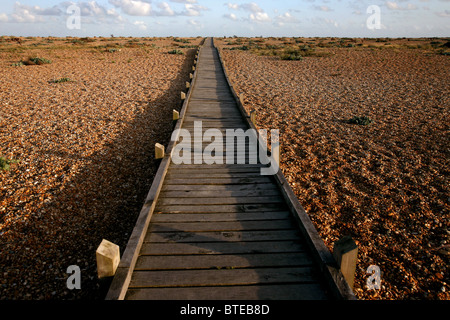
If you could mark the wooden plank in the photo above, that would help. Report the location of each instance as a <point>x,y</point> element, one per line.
<point>218,188</point>
<point>223,194</point>
<point>225,107</point>
<point>222,248</point>
<point>220,175</point>
<point>220,217</point>
<point>210,113</point>
<point>220,181</point>
<point>304,291</point>
<point>224,236</point>
<point>217,201</point>
<point>221,226</point>
<point>237,208</point>
<point>224,261</point>
<point>222,277</point>
<point>216,166</point>
<point>185,170</point>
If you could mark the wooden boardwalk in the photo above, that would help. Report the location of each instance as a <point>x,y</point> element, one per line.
<point>223,231</point>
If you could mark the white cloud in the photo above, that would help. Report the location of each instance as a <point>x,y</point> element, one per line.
<point>286,18</point>
<point>3,17</point>
<point>141,25</point>
<point>230,16</point>
<point>23,14</point>
<point>193,10</point>
<point>396,6</point>
<point>184,1</point>
<point>166,10</point>
<point>196,24</point>
<point>133,7</point>
<point>92,12</point>
<point>259,17</point>
<point>233,6</point>
<point>257,14</point>
<point>323,8</point>
<point>252,7</point>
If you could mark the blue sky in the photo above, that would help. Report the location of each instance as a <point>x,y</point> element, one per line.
<point>400,18</point>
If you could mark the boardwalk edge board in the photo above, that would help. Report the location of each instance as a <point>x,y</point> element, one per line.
<point>122,278</point>
<point>328,265</point>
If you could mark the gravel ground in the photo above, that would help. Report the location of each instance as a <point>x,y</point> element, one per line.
<point>85,148</point>
<point>386,184</point>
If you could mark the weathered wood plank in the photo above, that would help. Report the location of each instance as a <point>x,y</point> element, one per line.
<point>222,277</point>
<point>221,226</point>
<point>217,201</point>
<point>304,291</point>
<point>222,247</point>
<point>219,188</point>
<point>226,236</point>
<point>266,260</point>
<point>186,170</point>
<point>206,175</point>
<point>215,166</point>
<point>215,194</point>
<point>238,208</point>
<point>220,181</point>
<point>221,217</point>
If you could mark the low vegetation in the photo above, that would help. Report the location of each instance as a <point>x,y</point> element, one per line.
<point>299,48</point>
<point>61,80</point>
<point>35,61</point>
<point>364,121</point>
<point>175,51</point>
<point>5,164</point>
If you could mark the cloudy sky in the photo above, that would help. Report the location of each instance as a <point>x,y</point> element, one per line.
<point>397,18</point>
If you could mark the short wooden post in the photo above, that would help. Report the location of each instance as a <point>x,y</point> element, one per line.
<point>253,116</point>
<point>188,84</point>
<point>176,115</point>
<point>345,252</point>
<point>195,62</point>
<point>159,151</point>
<point>193,68</point>
<point>108,258</point>
<point>183,96</point>
<point>241,98</point>
<point>191,76</point>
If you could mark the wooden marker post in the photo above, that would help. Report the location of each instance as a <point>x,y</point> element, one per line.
<point>183,96</point>
<point>253,116</point>
<point>188,84</point>
<point>345,252</point>
<point>241,98</point>
<point>108,258</point>
<point>159,151</point>
<point>176,115</point>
